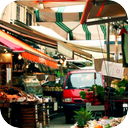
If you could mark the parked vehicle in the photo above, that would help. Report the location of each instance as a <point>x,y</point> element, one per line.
<point>76,81</point>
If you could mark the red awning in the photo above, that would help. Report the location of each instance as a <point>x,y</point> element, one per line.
<point>14,47</point>
<point>30,52</point>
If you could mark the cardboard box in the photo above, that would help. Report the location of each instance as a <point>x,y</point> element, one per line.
<point>40,76</point>
<point>52,78</point>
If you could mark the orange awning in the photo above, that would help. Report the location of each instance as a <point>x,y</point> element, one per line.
<point>30,53</point>
<point>106,9</point>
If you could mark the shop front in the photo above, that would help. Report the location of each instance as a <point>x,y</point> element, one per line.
<point>20,85</point>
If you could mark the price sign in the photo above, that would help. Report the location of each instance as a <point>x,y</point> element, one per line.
<point>112,69</point>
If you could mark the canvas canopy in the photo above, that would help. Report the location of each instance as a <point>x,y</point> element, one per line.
<point>50,3</point>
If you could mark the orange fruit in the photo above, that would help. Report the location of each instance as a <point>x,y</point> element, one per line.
<point>98,126</point>
<point>124,127</point>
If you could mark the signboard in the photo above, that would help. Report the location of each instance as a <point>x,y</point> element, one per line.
<point>98,64</point>
<point>112,69</point>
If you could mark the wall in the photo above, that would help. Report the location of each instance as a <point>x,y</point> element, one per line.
<point>10,12</point>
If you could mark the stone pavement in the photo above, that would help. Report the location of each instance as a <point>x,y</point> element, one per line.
<point>59,122</point>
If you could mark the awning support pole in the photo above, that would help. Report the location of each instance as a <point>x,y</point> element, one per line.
<point>108,52</point>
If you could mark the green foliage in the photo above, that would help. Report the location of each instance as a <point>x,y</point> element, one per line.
<point>122,83</point>
<point>100,90</point>
<point>82,116</point>
<point>82,94</point>
<point>108,126</point>
<point>119,91</point>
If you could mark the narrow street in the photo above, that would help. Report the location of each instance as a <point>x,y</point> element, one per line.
<point>59,122</point>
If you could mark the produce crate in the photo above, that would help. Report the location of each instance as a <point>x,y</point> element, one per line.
<point>29,116</point>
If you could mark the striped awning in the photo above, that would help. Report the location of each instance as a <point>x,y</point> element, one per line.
<point>60,14</point>
<point>66,22</point>
<point>76,31</point>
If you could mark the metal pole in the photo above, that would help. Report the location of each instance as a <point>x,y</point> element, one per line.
<point>116,49</point>
<point>108,52</point>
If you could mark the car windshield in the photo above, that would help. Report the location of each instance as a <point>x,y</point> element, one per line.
<point>83,80</point>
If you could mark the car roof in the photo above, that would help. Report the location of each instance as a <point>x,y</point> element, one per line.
<point>82,71</point>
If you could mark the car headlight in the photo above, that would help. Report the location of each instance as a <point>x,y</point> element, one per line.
<point>67,100</point>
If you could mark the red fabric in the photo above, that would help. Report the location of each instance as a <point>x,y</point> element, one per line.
<point>107,106</point>
<point>14,47</point>
<point>87,9</point>
<point>38,59</point>
<point>123,30</point>
<point>101,8</point>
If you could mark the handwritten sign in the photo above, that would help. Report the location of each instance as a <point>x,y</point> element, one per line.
<point>112,69</point>
<point>98,63</point>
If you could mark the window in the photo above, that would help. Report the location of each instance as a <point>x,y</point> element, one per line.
<point>83,80</point>
<point>28,18</point>
<point>18,12</point>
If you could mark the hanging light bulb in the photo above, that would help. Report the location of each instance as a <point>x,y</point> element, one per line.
<point>19,57</point>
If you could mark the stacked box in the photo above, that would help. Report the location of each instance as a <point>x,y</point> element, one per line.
<point>29,116</point>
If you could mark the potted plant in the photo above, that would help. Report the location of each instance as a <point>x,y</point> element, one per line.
<point>82,117</point>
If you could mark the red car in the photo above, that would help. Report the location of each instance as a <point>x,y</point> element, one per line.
<point>76,81</point>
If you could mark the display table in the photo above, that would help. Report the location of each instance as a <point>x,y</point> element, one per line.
<point>55,94</point>
<point>115,106</point>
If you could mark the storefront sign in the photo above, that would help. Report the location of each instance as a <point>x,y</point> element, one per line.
<point>112,69</point>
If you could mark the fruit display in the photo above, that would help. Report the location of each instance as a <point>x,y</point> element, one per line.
<point>14,94</point>
<point>52,88</point>
<point>102,123</point>
<point>120,86</point>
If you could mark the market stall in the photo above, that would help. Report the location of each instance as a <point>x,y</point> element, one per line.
<point>32,111</point>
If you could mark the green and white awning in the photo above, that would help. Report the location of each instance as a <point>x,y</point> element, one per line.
<point>60,14</point>
<point>66,22</point>
<point>77,31</point>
